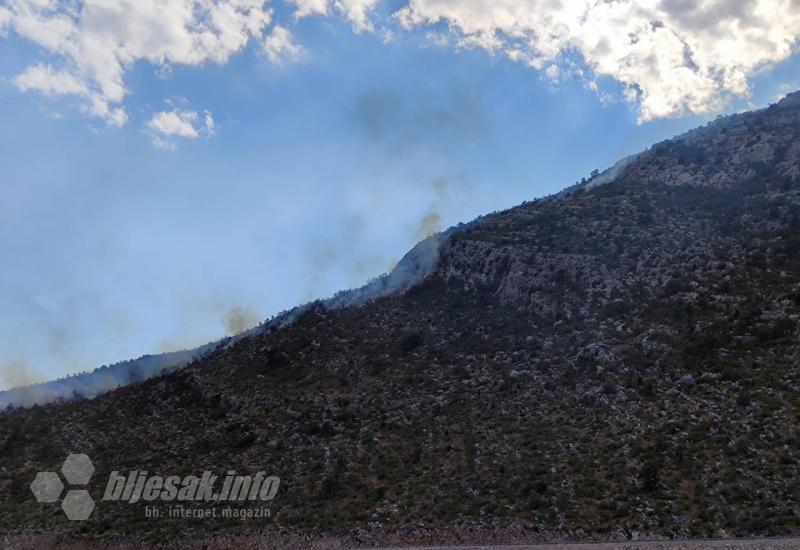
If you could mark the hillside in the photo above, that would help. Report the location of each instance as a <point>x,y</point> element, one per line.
<point>411,269</point>
<point>618,360</point>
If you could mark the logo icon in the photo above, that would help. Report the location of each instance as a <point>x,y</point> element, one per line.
<point>77,503</point>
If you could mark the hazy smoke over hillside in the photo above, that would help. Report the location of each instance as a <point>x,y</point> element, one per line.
<point>239,322</point>
<point>239,319</point>
<point>401,120</point>
<point>430,224</point>
<point>446,190</point>
<point>17,374</point>
<point>90,384</point>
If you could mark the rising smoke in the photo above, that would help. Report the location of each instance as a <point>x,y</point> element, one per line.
<point>393,119</point>
<point>238,319</point>
<point>16,374</point>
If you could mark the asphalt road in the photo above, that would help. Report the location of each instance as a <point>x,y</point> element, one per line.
<point>732,544</point>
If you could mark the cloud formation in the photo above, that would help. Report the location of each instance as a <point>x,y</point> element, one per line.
<point>49,81</point>
<point>280,46</point>
<point>357,12</point>
<point>672,57</point>
<point>167,125</point>
<point>96,41</point>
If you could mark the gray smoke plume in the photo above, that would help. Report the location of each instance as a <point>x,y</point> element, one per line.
<point>16,374</point>
<point>398,119</point>
<point>429,225</point>
<point>239,319</point>
<point>415,266</point>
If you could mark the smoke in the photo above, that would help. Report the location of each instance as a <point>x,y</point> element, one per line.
<point>341,254</point>
<point>16,374</point>
<point>430,224</point>
<point>446,191</point>
<point>346,255</point>
<point>28,388</point>
<point>239,319</point>
<point>413,125</point>
<point>422,259</point>
<point>26,392</point>
<point>607,176</point>
<point>343,257</point>
<point>412,268</point>
<point>399,118</point>
<point>445,194</point>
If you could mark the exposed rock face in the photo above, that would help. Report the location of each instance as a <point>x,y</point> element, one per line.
<point>619,359</point>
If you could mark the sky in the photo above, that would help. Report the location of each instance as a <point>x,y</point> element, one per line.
<point>177,170</point>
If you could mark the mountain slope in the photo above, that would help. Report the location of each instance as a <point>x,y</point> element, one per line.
<point>618,359</point>
<point>411,269</point>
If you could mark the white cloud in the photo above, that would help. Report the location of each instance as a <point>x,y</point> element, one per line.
<point>96,41</point>
<point>553,72</point>
<point>279,45</point>
<point>175,123</point>
<point>672,56</point>
<point>210,124</point>
<point>165,126</point>
<point>48,81</point>
<point>5,17</point>
<point>304,8</point>
<point>357,12</point>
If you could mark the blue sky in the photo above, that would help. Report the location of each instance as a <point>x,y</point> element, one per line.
<point>317,175</point>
